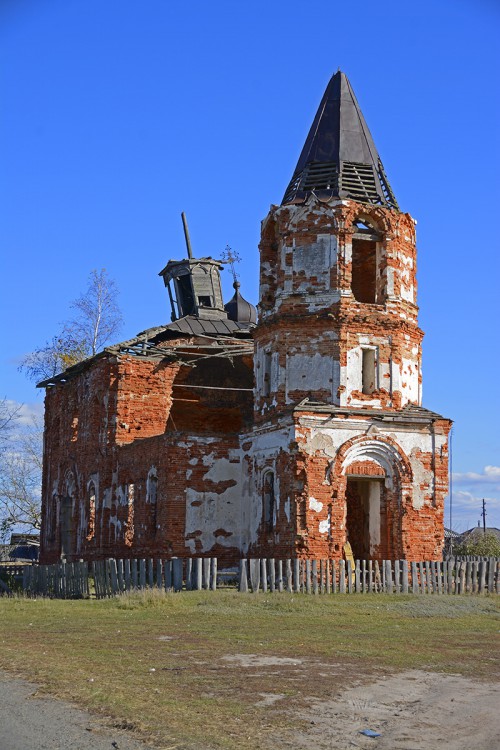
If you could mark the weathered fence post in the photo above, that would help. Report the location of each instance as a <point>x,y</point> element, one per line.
<point>342,576</point>
<point>314,574</point>
<point>113,574</point>
<point>126,573</point>
<point>280,576</point>
<point>151,579</point>
<point>388,577</point>
<point>167,573</point>
<point>213,574</point>
<point>135,577</point>
<point>288,567</point>
<point>272,575</point>
<point>177,571</point>
<point>255,574</point>
<point>334,576</point>
<point>243,578</point>
<point>159,573</point>
<point>296,576</point>
<point>308,576</point>
<point>357,581</point>
<point>404,588</point>
<point>263,574</point>
<point>396,577</point>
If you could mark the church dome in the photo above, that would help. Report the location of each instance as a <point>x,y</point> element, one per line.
<point>239,310</point>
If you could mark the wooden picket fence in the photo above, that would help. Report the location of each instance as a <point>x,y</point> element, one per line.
<point>367,576</point>
<point>111,577</point>
<point>62,580</point>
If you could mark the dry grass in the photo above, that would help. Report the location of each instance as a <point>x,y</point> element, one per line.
<point>157,665</point>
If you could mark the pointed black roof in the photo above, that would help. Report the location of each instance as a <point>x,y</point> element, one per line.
<point>339,158</point>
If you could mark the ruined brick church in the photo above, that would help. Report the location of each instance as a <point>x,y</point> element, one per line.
<point>221,434</point>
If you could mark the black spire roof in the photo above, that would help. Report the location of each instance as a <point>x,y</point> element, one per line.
<point>339,158</point>
<point>239,310</point>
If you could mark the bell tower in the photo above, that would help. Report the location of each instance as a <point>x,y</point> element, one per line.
<point>338,352</point>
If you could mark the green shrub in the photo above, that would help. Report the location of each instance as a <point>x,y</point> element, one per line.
<point>484,545</point>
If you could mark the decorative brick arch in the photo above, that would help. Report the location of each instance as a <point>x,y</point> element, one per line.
<point>379,219</point>
<point>377,458</point>
<point>383,451</point>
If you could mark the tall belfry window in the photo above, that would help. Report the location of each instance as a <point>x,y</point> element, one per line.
<point>364,263</point>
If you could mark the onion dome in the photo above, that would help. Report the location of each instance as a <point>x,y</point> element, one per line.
<point>239,310</point>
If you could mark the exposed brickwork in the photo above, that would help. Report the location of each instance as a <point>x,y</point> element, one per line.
<point>163,457</point>
<point>113,424</point>
<point>339,316</point>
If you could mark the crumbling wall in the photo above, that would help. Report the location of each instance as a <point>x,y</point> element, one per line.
<point>319,308</point>
<point>137,463</point>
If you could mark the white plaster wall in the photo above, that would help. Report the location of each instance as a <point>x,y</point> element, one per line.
<point>306,372</point>
<point>265,447</point>
<point>409,380</point>
<point>406,274</point>
<point>215,510</point>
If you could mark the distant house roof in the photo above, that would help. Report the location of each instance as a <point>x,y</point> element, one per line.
<point>478,531</point>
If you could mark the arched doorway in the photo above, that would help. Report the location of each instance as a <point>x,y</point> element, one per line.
<point>377,475</point>
<point>366,517</point>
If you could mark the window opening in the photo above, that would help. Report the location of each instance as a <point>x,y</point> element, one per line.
<point>129,526</point>
<point>205,301</point>
<point>152,497</point>
<point>185,296</point>
<point>364,270</point>
<point>368,370</point>
<point>267,374</point>
<point>91,508</point>
<point>269,500</point>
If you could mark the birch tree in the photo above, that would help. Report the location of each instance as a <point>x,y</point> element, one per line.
<point>97,321</point>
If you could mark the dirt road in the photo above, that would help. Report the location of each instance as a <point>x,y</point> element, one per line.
<point>31,722</point>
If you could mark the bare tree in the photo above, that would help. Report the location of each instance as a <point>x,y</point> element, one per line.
<point>98,315</point>
<point>98,319</point>
<point>21,476</point>
<point>9,413</point>
<point>60,352</point>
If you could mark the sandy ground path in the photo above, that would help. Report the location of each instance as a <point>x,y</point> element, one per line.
<point>413,710</point>
<point>31,722</point>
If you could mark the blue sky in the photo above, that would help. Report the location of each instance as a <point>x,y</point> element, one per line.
<point>118,115</point>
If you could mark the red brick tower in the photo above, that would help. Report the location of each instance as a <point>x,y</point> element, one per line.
<point>342,447</point>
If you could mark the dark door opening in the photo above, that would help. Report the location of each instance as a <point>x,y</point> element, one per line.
<point>363,498</point>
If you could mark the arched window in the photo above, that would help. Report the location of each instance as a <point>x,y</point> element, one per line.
<point>66,510</point>
<point>90,511</point>
<point>268,500</point>
<point>51,518</point>
<point>152,497</point>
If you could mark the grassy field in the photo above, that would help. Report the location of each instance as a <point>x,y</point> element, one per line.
<point>190,670</point>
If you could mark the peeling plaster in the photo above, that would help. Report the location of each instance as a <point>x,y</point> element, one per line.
<point>315,505</point>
